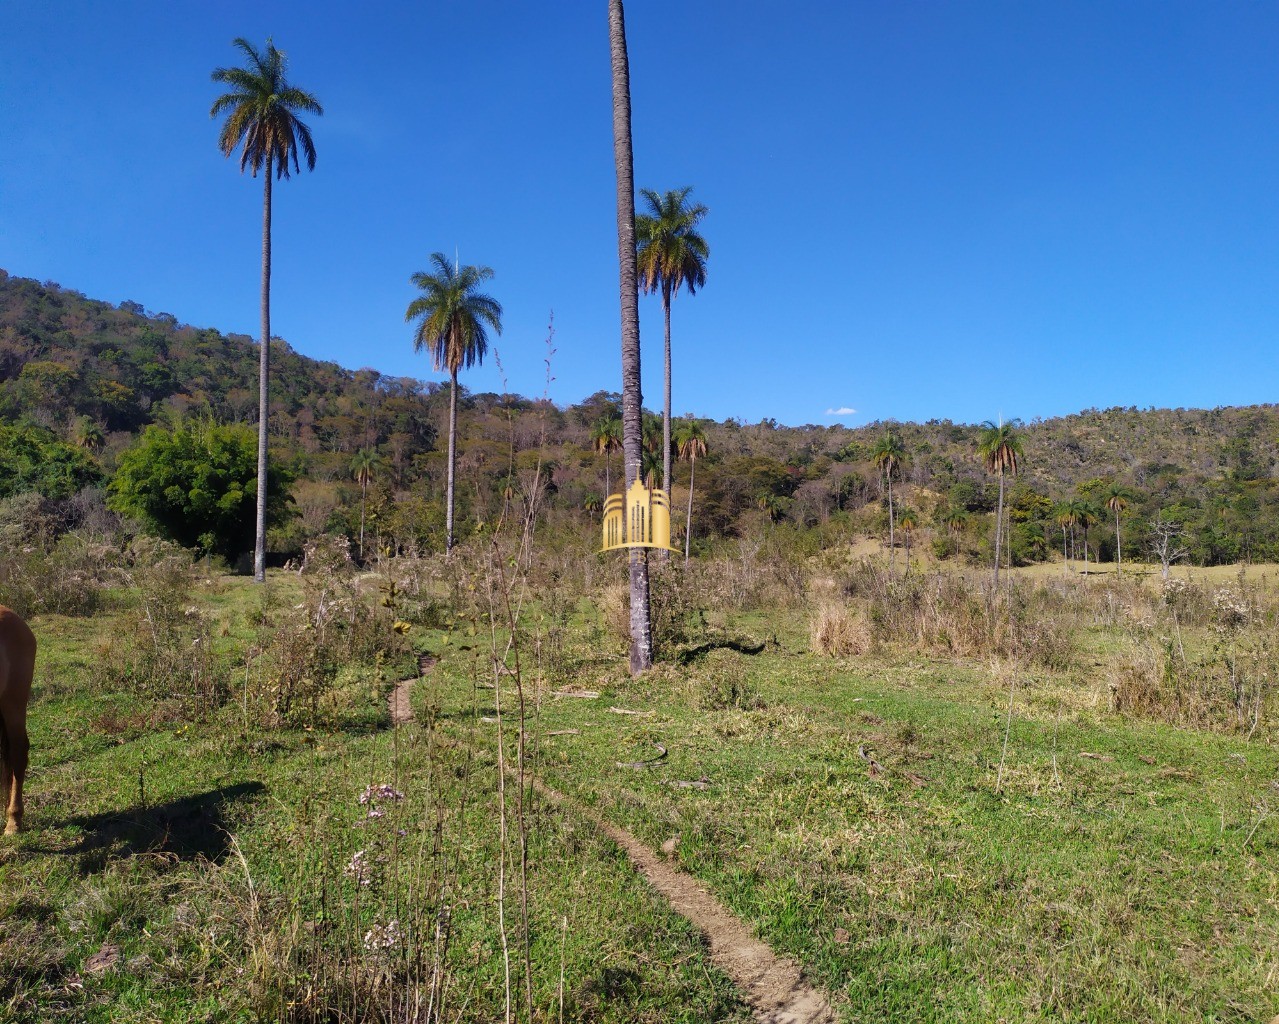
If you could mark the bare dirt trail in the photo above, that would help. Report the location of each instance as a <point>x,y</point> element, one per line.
<point>774,987</point>
<point>397,702</point>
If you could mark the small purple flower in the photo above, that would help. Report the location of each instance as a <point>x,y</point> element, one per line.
<point>383,792</point>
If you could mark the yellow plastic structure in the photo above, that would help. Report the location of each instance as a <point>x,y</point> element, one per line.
<point>641,518</point>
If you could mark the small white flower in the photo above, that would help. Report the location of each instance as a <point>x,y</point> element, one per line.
<point>359,868</point>
<point>383,936</point>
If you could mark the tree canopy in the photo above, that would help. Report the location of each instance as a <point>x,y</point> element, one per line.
<point>197,485</point>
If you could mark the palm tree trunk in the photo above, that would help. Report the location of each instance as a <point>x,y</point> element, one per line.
<point>1119,545</point>
<point>892,546</point>
<point>999,524</point>
<point>688,524</point>
<point>1065,559</point>
<point>448,511</point>
<point>264,361</point>
<point>632,397</point>
<point>666,403</point>
<point>608,463</point>
<point>364,497</point>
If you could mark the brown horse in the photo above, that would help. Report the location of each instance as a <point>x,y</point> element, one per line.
<point>17,666</point>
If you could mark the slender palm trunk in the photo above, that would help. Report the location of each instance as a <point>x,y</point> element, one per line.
<point>892,546</point>
<point>364,497</point>
<point>608,465</point>
<point>666,402</point>
<point>264,362</point>
<point>1119,546</point>
<point>999,524</point>
<point>1065,558</point>
<point>448,512</point>
<point>688,523</point>
<point>632,397</point>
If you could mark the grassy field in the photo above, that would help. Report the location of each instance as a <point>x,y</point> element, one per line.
<point>1120,871</point>
<point>934,838</point>
<point>179,870</point>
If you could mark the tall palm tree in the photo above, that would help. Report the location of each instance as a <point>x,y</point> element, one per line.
<point>364,467</point>
<point>690,441</point>
<point>606,437</point>
<point>671,255</point>
<point>1066,517</point>
<point>1086,515</point>
<point>628,281</point>
<point>888,456</point>
<point>999,447</point>
<point>262,121</point>
<point>453,318</point>
<point>1117,498</point>
<point>908,520</point>
<point>955,519</point>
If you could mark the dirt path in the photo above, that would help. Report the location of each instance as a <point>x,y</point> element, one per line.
<point>397,702</point>
<point>774,987</point>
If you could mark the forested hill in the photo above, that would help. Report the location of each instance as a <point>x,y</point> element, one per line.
<point>81,378</point>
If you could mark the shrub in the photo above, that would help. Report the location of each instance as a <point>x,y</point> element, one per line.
<point>197,485</point>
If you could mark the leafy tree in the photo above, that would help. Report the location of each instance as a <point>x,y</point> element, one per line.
<point>196,485</point>
<point>262,122</point>
<point>690,440</point>
<point>632,395</point>
<point>606,438</point>
<point>453,318</point>
<point>1117,498</point>
<point>671,255</point>
<point>999,447</point>
<point>36,460</point>
<point>888,455</point>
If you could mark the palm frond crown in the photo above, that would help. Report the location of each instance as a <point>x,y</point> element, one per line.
<point>262,113</point>
<point>1000,446</point>
<point>670,253</point>
<point>453,316</point>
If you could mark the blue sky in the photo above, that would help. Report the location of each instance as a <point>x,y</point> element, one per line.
<point>917,210</point>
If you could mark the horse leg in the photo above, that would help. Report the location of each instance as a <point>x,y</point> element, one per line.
<point>16,747</point>
<point>6,775</point>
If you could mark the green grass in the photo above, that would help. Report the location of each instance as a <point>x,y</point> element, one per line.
<point>133,852</point>
<point>1136,884</point>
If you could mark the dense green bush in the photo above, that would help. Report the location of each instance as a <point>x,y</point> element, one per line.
<point>35,460</point>
<point>197,485</point>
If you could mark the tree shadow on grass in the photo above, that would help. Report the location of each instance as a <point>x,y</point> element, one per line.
<point>189,828</point>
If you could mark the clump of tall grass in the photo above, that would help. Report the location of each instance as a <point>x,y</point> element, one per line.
<point>839,631</point>
<point>952,614</point>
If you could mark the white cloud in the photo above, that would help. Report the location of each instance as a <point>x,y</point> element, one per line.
<point>843,410</point>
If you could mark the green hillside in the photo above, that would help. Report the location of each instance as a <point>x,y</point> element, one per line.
<point>81,378</point>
